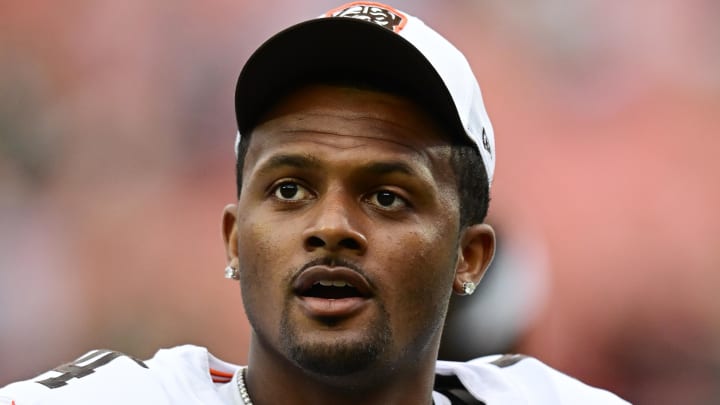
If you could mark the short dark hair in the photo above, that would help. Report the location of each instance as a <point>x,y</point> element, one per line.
<point>465,160</point>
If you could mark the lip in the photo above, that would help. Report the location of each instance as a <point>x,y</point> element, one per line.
<point>318,307</point>
<point>335,308</point>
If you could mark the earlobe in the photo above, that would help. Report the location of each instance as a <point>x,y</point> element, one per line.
<point>230,234</point>
<point>477,248</point>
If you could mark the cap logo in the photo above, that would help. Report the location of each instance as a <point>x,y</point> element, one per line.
<point>380,14</point>
<point>486,142</point>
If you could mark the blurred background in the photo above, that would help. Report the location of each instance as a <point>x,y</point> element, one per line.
<point>116,133</point>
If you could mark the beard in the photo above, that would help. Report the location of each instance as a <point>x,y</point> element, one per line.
<point>341,357</point>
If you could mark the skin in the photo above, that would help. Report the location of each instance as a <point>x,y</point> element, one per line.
<point>360,180</point>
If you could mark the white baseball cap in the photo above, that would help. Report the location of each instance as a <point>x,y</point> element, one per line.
<point>367,39</point>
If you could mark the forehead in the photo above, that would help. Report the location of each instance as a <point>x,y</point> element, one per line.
<point>351,125</point>
<point>352,112</point>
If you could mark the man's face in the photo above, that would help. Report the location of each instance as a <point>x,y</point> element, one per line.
<point>347,231</point>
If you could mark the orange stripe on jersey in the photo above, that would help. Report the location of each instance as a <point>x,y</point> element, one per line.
<point>218,373</point>
<point>220,376</point>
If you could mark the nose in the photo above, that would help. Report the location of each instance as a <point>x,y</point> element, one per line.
<point>332,228</point>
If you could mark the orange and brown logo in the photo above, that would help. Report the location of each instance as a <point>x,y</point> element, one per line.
<point>380,14</point>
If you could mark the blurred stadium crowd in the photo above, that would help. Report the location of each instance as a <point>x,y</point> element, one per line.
<point>116,133</point>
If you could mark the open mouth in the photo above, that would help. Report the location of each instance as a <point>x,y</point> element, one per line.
<point>331,283</point>
<point>331,290</point>
<point>332,294</point>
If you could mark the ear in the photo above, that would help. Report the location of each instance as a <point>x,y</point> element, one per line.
<point>477,248</point>
<point>230,234</point>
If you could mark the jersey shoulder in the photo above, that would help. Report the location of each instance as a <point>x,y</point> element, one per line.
<point>109,377</point>
<point>516,380</point>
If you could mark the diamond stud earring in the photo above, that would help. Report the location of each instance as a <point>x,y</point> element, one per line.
<point>232,273</point>
<point>468,287</point>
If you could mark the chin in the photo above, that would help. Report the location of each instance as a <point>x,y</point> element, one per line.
<point>338,359</point>
<point>337,353</point>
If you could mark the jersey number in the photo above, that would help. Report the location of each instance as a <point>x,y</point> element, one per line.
<point>74,370</point>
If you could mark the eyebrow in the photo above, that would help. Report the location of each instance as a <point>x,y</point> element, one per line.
<point>303,161</point>
<point>299,161</point>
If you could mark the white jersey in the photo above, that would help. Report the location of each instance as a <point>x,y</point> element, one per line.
<point>190,375</point>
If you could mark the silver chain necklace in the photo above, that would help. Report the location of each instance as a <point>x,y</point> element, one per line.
<point>241,386</point>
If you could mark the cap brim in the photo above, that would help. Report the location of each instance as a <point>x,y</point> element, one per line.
<point>339,48</point>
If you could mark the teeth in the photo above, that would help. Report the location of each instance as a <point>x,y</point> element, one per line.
<point>333,283</point>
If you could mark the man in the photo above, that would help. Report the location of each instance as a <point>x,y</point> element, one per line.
<point>364,163</point>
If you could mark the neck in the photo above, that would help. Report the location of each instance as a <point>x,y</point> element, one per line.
<point>272,379</point>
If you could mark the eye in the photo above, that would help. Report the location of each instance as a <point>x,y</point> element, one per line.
<point>291,191</point>
<point>387,200</point>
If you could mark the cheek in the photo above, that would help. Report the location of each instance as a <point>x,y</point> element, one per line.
<point>422,272</point>
<point>261,264</point>
<point>434,251</point>
<point>254,243</point>
<point>262,244</point>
